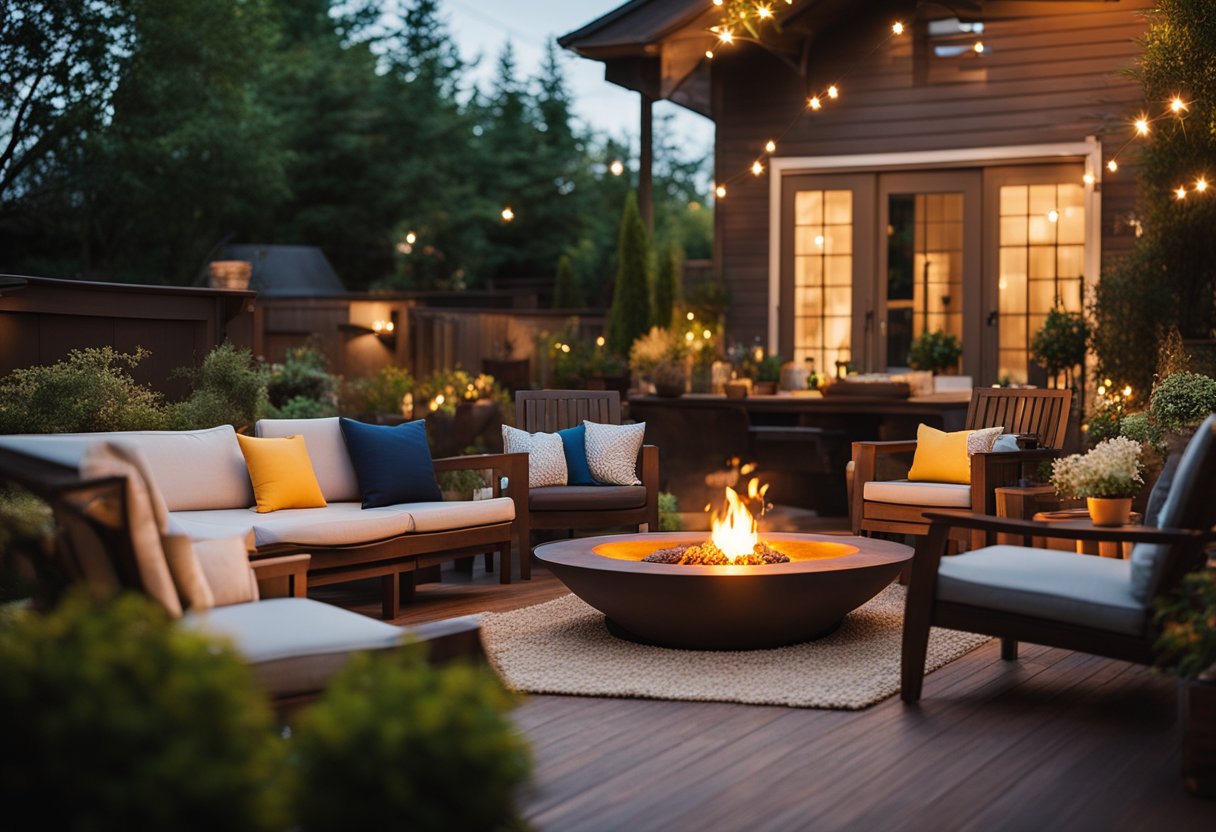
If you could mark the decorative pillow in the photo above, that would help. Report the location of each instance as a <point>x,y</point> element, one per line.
<point>612,452</point>
<point>224,562</point>
<point>281,473</point>
<point>393,464</point>
<point>574,443</point>
<point>546,455</point>
<point>982,441</point>
<point>1005,443</point>
<point>940,456</point>
<point>188,577</point>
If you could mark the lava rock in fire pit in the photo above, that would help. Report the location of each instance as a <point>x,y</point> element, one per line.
<point>707,554</point>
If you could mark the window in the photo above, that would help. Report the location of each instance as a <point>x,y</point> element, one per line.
<point>823,277</point>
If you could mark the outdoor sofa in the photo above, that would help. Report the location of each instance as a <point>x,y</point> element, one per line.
<point>202,478</point>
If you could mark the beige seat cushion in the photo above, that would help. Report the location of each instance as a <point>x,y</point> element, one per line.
<point>337,524</point>
<point>327,451</point>
<point>586,497</point>
<point>937,494</point>
<point>459,514</point>
<point>1045,583</point>
<point>295,645</point>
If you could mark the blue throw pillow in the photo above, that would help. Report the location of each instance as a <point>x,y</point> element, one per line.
<point>392,464</point>
<point>574,443</point>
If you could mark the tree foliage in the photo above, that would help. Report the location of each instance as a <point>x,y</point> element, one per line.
<point>629,316</point>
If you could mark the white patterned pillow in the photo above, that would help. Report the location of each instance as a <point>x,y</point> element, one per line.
<point>981,441</point>
<point>546,456</point>
<point>612,452</point>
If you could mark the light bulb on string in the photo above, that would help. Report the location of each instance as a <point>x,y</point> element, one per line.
<point>411,237</point>
<point>1177,105</point>
<point>757,168</point>
<point>764,12</point>
<point>709,53</point>
<point>720,192</point>
<point>1112,166</point>
<point>507,214</point>
<point>770,146</point>
<point>979,47</point>
<point>1089,178</point>
<point>833,92</point>
<point>726,36</point>
<point>617,167</point>
<point>1201,185</point>
<point>1141,125</point>
<point>814,103</point>
<point>897,28</point>
<point>1180,192</point>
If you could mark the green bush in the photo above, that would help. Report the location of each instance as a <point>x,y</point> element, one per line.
<point>669,513</point>
<point>304,374</point>
<point>629,316</point>
<point>114,719</point>
<point>1187,644</point>
<point>90,390</point>
<point>229,388</point>
<point>667,284</point>
<point>383,392</point>
<point>26,528</point>
<point>1060,344</point>
<point>1182,401</point>
<point>566,294</point>
<point>463,481</point>
<point>395,738</point>
<point>934,351</point>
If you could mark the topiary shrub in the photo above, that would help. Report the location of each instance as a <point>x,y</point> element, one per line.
<point>1182,401</point>
<point>90,390</point>
<point>114,719</point>
<point>393,737</point>
<point>1060,344</point>
<point>934,351</point>
<point>229,388</point>
<point>629,316</point>
<point>667,284</point>
<point>566,294</point>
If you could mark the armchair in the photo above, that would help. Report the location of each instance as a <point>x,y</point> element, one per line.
<point>1056,598</point>
<point>587,507</point>
<point>898,506</point>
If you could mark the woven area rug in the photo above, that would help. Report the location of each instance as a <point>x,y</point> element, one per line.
<point>563,647</point>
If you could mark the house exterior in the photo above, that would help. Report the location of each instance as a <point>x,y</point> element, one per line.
<point>958,181</point>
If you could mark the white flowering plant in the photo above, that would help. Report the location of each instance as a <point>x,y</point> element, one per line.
<point>1111,469</point>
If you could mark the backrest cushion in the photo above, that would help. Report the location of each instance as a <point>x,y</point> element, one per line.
<point>574,444</point>
<point>612,452</point>
<point>327,450</point>
<point>546,455</point>
<point>940,456</point>
<point>1190,504</point>
<point>211,573</point>
<point>393,464</point>
<point>281,473</point>
<point>106,459</point>
<point>192,587</point>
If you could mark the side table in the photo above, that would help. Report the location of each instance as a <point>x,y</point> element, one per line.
<point>1078,518</point>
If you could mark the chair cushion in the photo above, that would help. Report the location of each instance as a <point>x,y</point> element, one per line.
<point>586,497</point>
<point>1189,505</point>
<point>327,450</point>
<point>574,443</point>
<point>294,645</point>
<point>281,473</point>
<point>224,563</point>
<point>192,587</point>
<point>940,456</point>
<point>337,524</point>
<point>612,452</point>
<point>459,514</point>
<point>546,455</point>
<point>936,494</point>
<point>393,464</point>
<point>1045,583</point>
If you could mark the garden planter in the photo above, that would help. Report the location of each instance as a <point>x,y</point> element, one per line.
<point>1109,511</point>
<point>1198,714</point>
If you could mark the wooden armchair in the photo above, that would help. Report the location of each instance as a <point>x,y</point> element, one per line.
<point>896,506</point>
<point>1057,598</point>
<point>587,507</point>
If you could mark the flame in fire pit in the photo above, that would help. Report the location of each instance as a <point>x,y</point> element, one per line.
<point>734,532</point>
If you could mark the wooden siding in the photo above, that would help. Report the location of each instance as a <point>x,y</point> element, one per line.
<point>1050,79</point>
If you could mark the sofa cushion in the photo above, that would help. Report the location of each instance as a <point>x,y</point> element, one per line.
<point>192,587</point>
<point>104,459</point>
<point>393,464</point>
<point>178,460</point>
<point>1045,583</point>
<point>936,494</point>
<point>326,449</point>
<point>294,645</point>
<point>337,524</point>
<point>459,514</point>
<point>281,473</point>
<point>586,497</point>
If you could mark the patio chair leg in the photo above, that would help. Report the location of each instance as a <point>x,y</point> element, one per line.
<point>390,588</point>
<point>918,614</point>
<point>489,561</point>
<point>1009,649</point>
<point>525,563</point>
<point>504,564</point>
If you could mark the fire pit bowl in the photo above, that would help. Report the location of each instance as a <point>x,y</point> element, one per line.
<point>724,607</point>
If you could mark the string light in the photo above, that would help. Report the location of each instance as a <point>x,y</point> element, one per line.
<point>757,168</point>
<point>617,167</point>
<point>814,103</point>
<point>709,53</point>
<point>979,47</point>
<point>720,192</point>
<point>1201,185</point>
<point>764,12</point>
<point>1177,105</point>
<point>726,36</point>
<point>599,342</point>
<point>507,214</point>
<point>411,237</point>
<point>1142,126</point>
<point>1180,192</point>
<point>833,92</point>
<point>897,28</point>
<point>770,146</point>
<point>1112,166</point>
<point>1089,178</point>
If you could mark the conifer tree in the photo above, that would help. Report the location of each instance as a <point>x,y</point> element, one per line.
<point>566,294</point>
<point>667,284</point>
<point>629,316</point>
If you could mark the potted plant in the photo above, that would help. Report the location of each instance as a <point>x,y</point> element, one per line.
<point>1186,649</point>
<point>1060,344</point>
<point>935,352</point>
<point>670,379</point>
<point>1108,477</point>
<point>1179,403</point>
<point>648,351</point>
<point>768,373</point>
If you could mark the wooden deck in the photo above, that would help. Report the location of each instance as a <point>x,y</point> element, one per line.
<point>1058,740</point>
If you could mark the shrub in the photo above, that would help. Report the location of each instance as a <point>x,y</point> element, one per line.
<point>114,719</point>
<point>26,529</point>
<point>629,315</point>
<point>653,348</point>
<point>1060,343</point>
<point>463,481</point>
<point>1187,644</point>
<point>229,388</point>
<point>304,374</point>
<point>395,738</point>
<point>383,392</point>
<point>667,284</point>
<point>1182,400</point>
<point>669,516</point>
<point>934,351</point>
<point>566,294</point>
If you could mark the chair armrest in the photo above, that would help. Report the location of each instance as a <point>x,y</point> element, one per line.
<point>865,469</point>
<point>292,567</point>
<point>993,470</point>
<point>1029,528</point>
<point>648,473</point>
<point>512,467</point>
<point>495,462</point>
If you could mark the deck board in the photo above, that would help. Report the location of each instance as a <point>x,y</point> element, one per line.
<point>1056,740</point>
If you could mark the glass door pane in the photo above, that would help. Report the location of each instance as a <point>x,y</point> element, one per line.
<point>823,277</point>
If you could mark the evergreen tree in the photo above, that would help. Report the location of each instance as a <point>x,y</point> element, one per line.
<point>667,284</point>
<point>629,316</point>
<point>566,294</point>
<point>1171,276</point>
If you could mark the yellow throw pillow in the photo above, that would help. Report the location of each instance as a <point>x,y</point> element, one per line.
<point>940,456</point>
<point>281,473</point>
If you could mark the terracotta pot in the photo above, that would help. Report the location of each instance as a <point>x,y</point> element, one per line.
<point>738,388</point>
<point>1199,736</point>
<point>1109,511</point>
